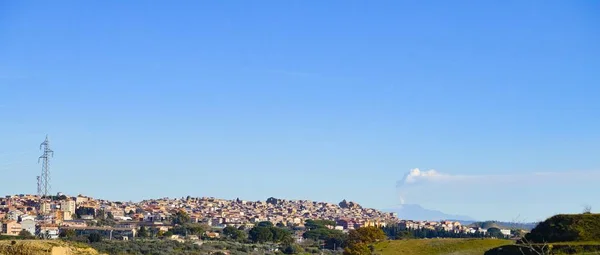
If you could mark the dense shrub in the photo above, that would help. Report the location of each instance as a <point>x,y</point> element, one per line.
<point>567,228</point>
<point>160,247</point>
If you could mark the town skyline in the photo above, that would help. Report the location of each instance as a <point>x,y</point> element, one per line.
<point>420,181</point>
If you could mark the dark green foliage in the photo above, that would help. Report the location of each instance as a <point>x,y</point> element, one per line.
<point>58,198</point>
<point>292,249</point>
<point>279,234</point>
<point>318,231</point>
<point>335,241</point>
<point>143,233</point>
<point>25,234</point>
<point>94,238</point>
<point>180,218</point>
<point>100,214</point>
<point>147,247</point>
<point>261,234</point>
<point>567,228</point>
<point>6,237</point>
<point>540,249</point>
<point>503,225</point>
<point>168,234</point>
<point>395,232</point>
<point>234,234</point>
<point>67,234</point>
<point>85,211</point>
<point>366,235</point>
<point>169,247</point>
<point>106,222</point>
<point>495,232</point>
<point>314,224</point>
<point>105,219</point>
<point>229,230</point>
<point>265,224</point>
<point>360,240</point>
<point>189,229</point>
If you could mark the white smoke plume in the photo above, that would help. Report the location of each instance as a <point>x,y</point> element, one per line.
<point>411,177</point>
<point>416,177</point>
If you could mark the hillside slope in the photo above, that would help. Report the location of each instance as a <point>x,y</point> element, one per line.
<point>438,246</point>
<point>567,228</point>
<point>565,233</point>
<point>41,247</point>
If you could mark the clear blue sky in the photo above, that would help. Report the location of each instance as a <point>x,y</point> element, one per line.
<point>320,100</point>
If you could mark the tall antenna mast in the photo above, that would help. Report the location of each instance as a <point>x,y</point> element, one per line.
<point>45,178</point>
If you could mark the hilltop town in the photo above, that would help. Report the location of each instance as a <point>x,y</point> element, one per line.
<point>35,215</point>
<point>49,217</point>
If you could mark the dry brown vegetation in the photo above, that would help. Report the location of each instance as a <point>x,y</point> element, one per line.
<point>42,247</point>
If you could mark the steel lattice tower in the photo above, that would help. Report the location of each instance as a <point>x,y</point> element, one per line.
<point>45,178</point>
<point>39,186</point>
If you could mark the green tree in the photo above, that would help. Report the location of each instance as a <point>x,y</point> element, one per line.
<point>229,230</point>
<point>333,238</point>
<point>100,214</point>
<point>181,217</point>
<point>143,233</point>
<point>292,249</point>
<point>359,240</point>
<point>357,249</point>
<point>404,235</point>
<point>265,224</point>
<point>495,232</point>
<point>335,241</point>
<point>168,234</point>
<point>279,234</point>
<point>67,234</point>
<point>366,235</point>
<point>195,228</point>
<point>25,234</point>
<point>94,238</point>
<point>261,234</point>
<point>314,224</point>
<point>239,236</point>
<point>234,233</point>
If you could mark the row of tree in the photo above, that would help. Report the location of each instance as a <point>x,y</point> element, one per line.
<point>265,232</point>
<point>396,232</point>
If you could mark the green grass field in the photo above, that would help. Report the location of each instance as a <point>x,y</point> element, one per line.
<point>439,246</point>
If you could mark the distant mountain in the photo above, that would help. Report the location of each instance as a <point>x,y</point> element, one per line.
<point>416,212</point>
